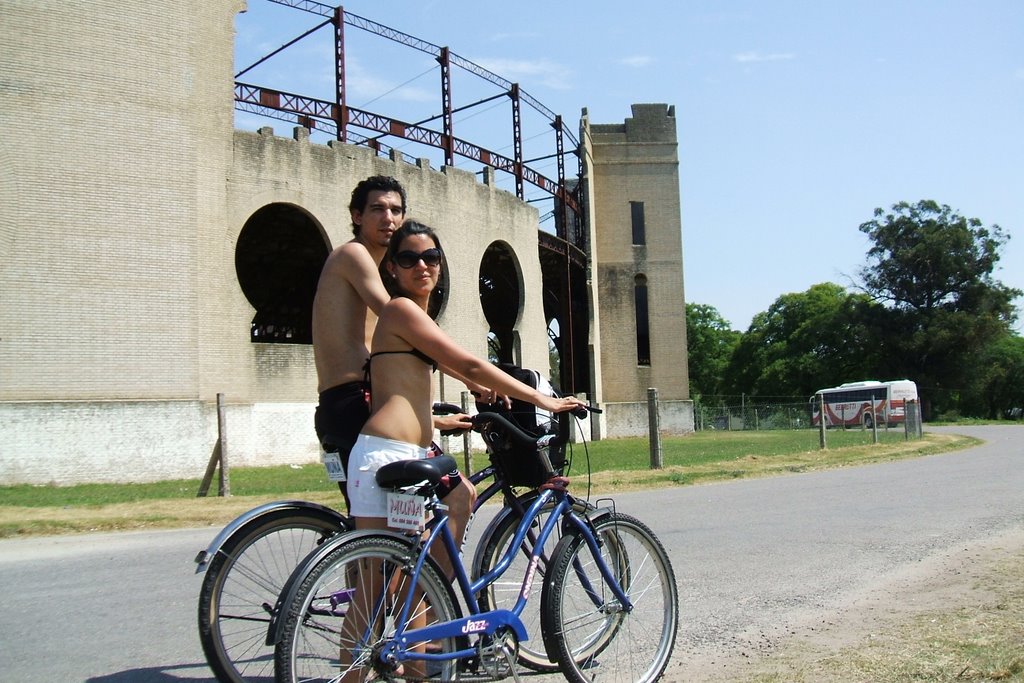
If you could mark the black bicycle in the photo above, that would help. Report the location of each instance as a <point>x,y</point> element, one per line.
<point>248,563</point>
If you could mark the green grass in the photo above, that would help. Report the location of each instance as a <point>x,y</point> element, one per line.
<point>611,455</point>
<point>245,481</point>
<point>702,448</point>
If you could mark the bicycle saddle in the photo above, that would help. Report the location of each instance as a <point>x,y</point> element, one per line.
<point>408,472</point>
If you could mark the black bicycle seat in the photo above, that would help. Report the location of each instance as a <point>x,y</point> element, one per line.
<point>408,472</point>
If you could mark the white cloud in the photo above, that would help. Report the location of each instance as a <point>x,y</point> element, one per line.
<point>529,72</point>
<point>755,57</point>
<point>365,87</point>
<point>637,61</point>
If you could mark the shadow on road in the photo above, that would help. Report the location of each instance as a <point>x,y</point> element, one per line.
<point>194,673</point>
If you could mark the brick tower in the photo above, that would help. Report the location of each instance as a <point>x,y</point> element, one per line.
<point>633,174</point>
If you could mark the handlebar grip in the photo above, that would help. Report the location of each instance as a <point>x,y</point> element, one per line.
<point>446,409</point>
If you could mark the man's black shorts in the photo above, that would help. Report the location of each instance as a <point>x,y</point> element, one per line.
<point>339,417</point>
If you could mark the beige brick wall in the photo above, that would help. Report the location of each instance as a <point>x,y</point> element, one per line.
<point>123,189</point>
<point>467,214</point>
<point>105,131</point>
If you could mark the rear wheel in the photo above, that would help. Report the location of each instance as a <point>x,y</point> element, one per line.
<point>242,585</point>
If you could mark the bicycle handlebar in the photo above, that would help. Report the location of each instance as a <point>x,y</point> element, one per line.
<point>525,439</point>
<point>446,409</point>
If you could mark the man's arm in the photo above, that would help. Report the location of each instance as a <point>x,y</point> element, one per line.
<point>357,267</point>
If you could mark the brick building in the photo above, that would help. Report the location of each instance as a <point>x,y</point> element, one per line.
<point>126,198</point>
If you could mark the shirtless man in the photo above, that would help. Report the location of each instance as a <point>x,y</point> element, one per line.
<point>349,296</point>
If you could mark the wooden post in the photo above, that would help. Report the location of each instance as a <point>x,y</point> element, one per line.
<point>222,441</point>
<point>654,425</point>
<point>204,486</point>
<point>467,437</point>
<point>219,455</point>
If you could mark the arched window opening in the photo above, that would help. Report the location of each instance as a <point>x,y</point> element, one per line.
<point>643,328</point>
<point>278,258</point>
<point>501,299</point>
<point>554,355</point>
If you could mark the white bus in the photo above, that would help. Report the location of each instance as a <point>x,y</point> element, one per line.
<point>864,403</point>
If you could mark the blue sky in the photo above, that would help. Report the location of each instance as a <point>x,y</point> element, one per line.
<point>795,119</point>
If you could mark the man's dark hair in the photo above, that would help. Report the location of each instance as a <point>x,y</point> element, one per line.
<point>377,183</point>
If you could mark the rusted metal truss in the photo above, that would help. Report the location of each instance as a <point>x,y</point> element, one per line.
<point>563,256</point>
<point>323,115</point>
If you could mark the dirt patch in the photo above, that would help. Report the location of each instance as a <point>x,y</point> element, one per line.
<point>953,617</point>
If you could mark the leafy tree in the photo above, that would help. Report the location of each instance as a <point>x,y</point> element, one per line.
<point>932,269</point>
<point>709,344</point>
<point>998,391</point>
<point>804,341</point>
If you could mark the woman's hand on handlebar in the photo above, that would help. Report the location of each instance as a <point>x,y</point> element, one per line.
<point>561,405</point>
<point>453,424</point>
<point>491,397</point>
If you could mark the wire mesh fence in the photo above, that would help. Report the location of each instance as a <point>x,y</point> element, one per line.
<point>752,416</point>
<point>767,416</point>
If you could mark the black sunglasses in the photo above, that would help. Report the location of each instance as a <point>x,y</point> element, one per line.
<point>408,259</point>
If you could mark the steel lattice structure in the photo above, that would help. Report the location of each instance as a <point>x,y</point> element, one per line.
<point>563,255</point>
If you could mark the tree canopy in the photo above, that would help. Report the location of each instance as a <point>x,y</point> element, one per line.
<point>927,307</point>
<point>804,341</point>
<point>709,344</point>
<point>933,271</point>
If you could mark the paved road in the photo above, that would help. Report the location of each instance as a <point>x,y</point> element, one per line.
<point>751,557</point>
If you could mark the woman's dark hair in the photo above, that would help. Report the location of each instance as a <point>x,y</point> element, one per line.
<point>377,183</point>
<point>409,228</point>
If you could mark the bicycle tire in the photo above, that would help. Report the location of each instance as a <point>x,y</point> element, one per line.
<point>242,584</point>
<point>592,639</point>
<point>503,593</point>
<point>315,621</point>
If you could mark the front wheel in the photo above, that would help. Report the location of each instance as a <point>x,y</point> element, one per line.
<point>347,610</point>
<point>504,591</point>
<point>594,636</point>
<point>242,584</point>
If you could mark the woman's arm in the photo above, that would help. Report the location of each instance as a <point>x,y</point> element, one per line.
<point>416,328</point>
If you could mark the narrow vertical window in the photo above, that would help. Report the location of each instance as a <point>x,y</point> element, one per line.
<point>636,210</point>
<point>643,331</point>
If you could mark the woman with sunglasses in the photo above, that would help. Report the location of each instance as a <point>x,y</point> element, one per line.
<point>407,346</point>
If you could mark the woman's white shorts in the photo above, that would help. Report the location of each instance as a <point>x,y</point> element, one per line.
<point>368,455</point>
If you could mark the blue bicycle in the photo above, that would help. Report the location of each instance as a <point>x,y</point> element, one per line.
<point>375,605</point>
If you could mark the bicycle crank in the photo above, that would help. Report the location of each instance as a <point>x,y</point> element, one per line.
<point>498,654</point>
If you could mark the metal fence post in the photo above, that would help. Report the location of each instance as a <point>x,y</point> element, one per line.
<point>821,420</point>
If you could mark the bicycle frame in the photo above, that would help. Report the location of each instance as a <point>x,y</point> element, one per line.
<point>487,623</point>
<point>498,485</point>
